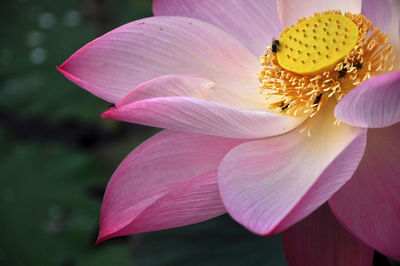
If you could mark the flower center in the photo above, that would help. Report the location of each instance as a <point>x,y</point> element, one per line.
<point>320,59</point>
<point>317,44</point>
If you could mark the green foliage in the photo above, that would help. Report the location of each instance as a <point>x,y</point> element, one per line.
<point>50,217</point>
<point>39,35</point>
<point>220,241</point>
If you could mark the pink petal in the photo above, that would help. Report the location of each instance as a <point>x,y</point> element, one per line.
<point>394,35</point>
<point>185,86</point>
<point>379,12</point>
<point>321,240</point>
<point>168,181</point>
<point>153,103</point>
<point>369,204</point>
<point>374,103</point>
<point>112,65</point>
<point>292,10</point>
<point>200,116</point>
<point>384,14</point>
<point>268,185</point>
<point>254,22</point>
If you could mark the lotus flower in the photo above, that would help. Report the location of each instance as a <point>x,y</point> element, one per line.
<point>234,139</point>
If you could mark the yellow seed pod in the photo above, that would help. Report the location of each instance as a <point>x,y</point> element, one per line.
<point>317,44</point>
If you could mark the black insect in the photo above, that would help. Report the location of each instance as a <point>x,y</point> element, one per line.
<point>110,105</point>
<point>358,65</point>
<point>343,72</point>
<point>275,45</point>
<point>284,106</point>
<point>317,99</point>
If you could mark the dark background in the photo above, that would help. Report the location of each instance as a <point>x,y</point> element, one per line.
<point>57,153</point>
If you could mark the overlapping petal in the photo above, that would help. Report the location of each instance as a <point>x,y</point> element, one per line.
<point>178,108</point>
<point>254,23</point>
<point>112,65</point>
<point>268,185</point>
<point>184,86</point>
<point>374,103</point>
<point>369,204</point>
<point>320,240</point>
<point>292,10</point>
<point>168,181</point>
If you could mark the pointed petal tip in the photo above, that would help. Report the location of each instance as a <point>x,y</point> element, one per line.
<point>139,199</point>
<point>108,114</point>
<point>105,95</point>
<point>102,237</point>
<point>99,241</point>
<point>68,76</point>
<point>106,232</point>
<point>107,68</point>
<point>61,70</point>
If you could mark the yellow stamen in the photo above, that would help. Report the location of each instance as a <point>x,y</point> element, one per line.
<point>321,59</point>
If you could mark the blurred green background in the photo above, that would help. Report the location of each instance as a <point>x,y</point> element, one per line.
<point>57,153</point>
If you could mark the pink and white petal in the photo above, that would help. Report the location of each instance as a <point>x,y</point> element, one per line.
<point>185,86</point>
<point>112,65</point>
<point>292,10</point>
<point>268,185</point>
<point>169,180</point>
<point>369,204</point>
<point>319,239</point>
<point>374,103</point>
<point>379,13</point>
<point>254,23</point>
<point>205,117</point>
